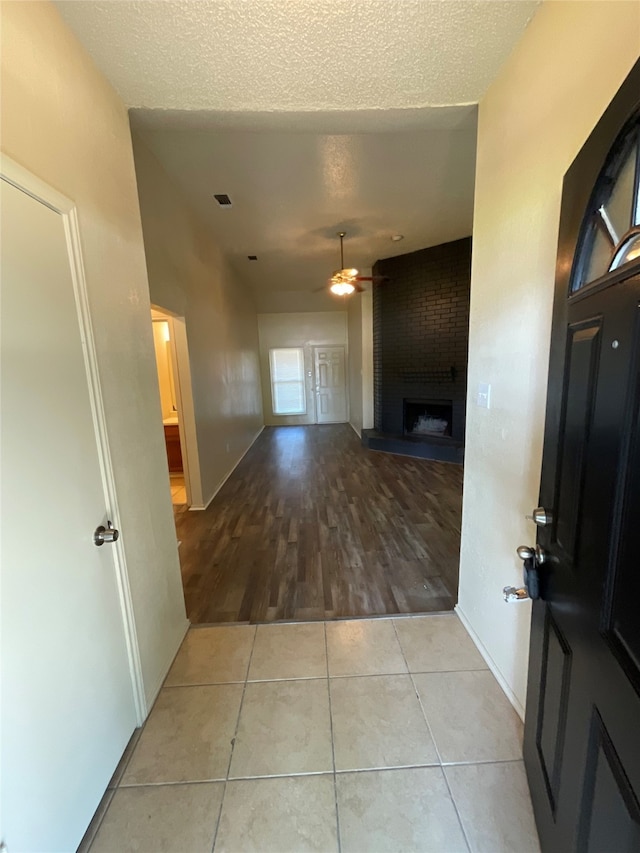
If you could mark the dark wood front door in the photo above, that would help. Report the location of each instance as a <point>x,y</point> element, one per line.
<point>582,733</point>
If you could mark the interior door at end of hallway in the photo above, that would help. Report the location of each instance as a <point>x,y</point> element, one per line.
<point>330,382</point>
<point>582,735</point>
<point>68,706</point>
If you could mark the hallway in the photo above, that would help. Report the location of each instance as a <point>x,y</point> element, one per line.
<point>366,735</point>
<point>311,525</point>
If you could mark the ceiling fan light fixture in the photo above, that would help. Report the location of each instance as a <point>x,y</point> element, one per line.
<point>344,275</point>
<point>342,281</point>
<point>342,288</point>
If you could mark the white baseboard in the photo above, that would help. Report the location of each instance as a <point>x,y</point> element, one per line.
<point>491,663</point>
<point>356,430</point>
<point>201,507</point>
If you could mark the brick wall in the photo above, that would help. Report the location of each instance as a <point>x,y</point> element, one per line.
<point>421,331</point>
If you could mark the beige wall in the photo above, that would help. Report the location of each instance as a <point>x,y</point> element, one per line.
<point>304,330</point>
<point>189,277</point>
<point>532,123</point>
<point>62,121</point>
<point>360,326</point>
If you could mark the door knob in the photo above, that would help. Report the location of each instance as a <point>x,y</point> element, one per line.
<point>105,534</point>
<point>532,558</point>
<point>541,516</point>
<point>525,552</point>
<point>537,554</point>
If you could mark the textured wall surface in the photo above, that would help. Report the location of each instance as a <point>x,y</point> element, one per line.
<point>360,329</point>
<point>269,55</point>
<point>354,330</point>
<point>63,122</point>
<point>533,121</point>
<point>421,331</point>
<point>189,276</point>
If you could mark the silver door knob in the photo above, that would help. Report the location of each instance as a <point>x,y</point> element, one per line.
<point>105,534</point>
<point>541,517</point>
<point>526,552</point>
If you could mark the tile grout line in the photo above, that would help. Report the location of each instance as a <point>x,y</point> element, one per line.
<point>233,741</point>
<point>435,745</point>
<point>333,747</point>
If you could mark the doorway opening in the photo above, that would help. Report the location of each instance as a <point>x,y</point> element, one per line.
<point>178,419</point>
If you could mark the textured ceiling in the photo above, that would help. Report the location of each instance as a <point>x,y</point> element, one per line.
<point>293,191</point>
<point>270,55</point>
<point>314,116</point>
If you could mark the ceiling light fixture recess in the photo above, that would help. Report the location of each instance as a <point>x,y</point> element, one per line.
<point>397,237</point>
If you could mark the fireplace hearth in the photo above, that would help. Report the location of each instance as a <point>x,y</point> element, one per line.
<point>427,418</point>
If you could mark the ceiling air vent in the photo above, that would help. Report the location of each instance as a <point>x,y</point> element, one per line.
<point>252,257</point>
<point>222,199</point>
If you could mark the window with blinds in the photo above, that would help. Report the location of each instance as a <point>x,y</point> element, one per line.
<point>287,381</point>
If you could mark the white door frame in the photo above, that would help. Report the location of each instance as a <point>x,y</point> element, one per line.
<point>25,181</point>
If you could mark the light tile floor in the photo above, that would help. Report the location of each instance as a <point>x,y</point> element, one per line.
<point>178,489</point>
<point>363,735</point>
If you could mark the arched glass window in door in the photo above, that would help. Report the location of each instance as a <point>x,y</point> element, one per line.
<point>610,233</point>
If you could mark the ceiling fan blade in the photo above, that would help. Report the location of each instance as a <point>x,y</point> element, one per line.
<point>371,278</point>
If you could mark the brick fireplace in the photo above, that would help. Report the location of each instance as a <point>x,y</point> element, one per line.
<point>420,341</point>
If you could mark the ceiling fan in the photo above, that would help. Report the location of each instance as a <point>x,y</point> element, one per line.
<point>345,281</point>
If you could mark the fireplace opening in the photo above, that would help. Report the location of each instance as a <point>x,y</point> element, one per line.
<point>428,418</point>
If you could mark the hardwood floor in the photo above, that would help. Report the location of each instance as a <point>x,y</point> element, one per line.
<point>311,525</point>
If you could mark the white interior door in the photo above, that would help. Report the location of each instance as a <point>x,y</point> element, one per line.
<point>331,390</point>
<point>68,705</point>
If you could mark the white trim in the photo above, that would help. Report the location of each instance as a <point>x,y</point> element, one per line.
<point>356,430</point>
<point>25,181</point>
<point>226,476</point>
<point>511,696</point>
